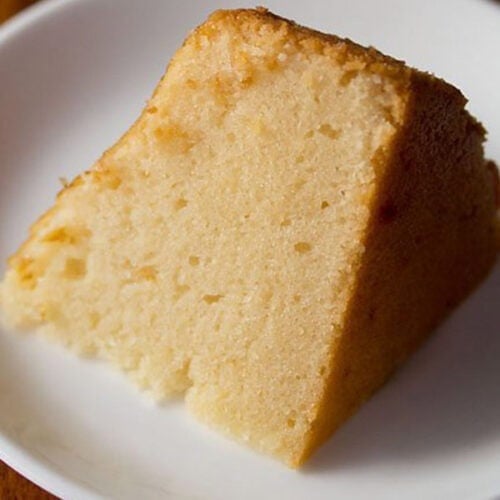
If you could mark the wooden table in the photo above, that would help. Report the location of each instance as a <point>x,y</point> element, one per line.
<point>10,7</point>
<point>13,486</point>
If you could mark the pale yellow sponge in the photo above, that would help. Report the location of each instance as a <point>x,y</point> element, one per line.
<point>285,222</point>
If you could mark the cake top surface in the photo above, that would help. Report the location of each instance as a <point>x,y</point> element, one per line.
<point>342,50</point>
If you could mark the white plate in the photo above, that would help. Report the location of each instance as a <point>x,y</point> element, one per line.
<point>74,75</point>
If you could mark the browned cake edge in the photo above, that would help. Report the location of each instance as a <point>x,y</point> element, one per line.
<point>350,55</point>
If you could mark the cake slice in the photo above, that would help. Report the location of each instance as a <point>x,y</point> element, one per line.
<point>287,220</point>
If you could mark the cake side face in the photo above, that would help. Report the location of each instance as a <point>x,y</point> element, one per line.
<point>221,248</point>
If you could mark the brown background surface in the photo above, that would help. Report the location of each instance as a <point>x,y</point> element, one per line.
<point>13,486</point>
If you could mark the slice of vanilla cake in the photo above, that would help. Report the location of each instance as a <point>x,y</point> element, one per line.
<point>287,220</point>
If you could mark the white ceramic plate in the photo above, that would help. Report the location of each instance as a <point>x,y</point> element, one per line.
<point>73,76</point>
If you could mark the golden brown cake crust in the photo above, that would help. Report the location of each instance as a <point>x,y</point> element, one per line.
<point>342,50</point>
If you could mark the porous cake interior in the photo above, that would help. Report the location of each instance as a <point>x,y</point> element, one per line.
<point>212,251</point>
